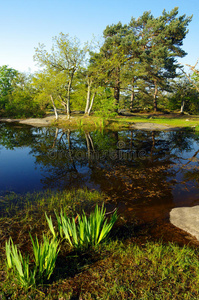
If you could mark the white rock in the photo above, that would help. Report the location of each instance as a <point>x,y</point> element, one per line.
<point>187,219</point>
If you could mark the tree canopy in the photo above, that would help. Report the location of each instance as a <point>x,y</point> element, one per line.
<point>134,66</point>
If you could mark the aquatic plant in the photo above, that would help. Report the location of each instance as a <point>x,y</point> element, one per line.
<point>81,231</point>
<point>45,255</point>
<point>18,265</point>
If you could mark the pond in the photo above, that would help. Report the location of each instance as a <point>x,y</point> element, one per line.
<point>145,173</point>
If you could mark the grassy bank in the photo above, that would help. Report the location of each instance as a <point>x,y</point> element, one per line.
<point>125,122</point>
<point>126,266</point>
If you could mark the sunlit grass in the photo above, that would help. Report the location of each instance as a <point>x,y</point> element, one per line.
<point>123,122</point>
<point>123,267</point>
<point>127,270</point>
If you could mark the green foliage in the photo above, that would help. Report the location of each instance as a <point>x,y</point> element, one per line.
<point>105,105</point>
<point>184,94</point>
<point>82,232</point>
<point>45,255</point>
<point>19,265</point>
<point>136,63</point>
<point>7,83</point>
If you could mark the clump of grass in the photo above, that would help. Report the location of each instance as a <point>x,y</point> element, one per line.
<point>83,232</point>
<point>19,266</point>
<point>45,255</point>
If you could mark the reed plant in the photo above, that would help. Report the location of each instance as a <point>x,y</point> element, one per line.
<point>82,232</point>
<point>19,266</point>
<point>45,255</point>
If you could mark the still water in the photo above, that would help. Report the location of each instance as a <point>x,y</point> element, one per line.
<point>146,172</point>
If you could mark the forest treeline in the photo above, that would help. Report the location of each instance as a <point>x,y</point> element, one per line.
<point>134,67</point>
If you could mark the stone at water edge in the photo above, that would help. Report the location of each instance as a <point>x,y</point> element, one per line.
<point>187,219</point>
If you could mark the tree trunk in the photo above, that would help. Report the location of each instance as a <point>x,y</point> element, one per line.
<point>132,94</point>
<point>88,97</point>
<point>62,102</point>
<point>68,100</point>
<point>117,96</point>
<point>182,107</point>
<point>155,96</point>
<point>117,89</point>
<point>54,107</point>
<point>91,104</point>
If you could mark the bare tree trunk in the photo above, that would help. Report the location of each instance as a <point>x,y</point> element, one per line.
<point>68,100</point>
<point>182,107</point>
<point>155,96</point>
<point>91,104</point>
<point>88,97</point>
<point>54,107</point>
<point>62,102</point>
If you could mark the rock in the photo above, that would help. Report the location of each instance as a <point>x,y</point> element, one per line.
<point>187,219</point>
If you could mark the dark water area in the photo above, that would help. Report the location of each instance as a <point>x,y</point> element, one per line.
<point>145,173</point>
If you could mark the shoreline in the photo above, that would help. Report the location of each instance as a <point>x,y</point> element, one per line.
<point>139,122</point>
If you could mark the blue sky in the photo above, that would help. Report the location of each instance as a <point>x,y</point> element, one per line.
<point>25,23</point>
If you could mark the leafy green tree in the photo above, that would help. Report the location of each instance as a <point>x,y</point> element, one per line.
<point>49,89</point>
<point>7,84</point>
<point>159,44</point>
<point>111,58</point>
<point>184,97</point>
<point>66,57</point>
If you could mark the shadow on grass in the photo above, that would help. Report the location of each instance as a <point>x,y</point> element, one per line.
<point>69,265</point>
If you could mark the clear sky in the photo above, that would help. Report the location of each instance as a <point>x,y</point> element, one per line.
<point>25,23</point>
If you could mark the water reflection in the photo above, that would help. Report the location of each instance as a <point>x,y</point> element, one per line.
<point>130,166</point>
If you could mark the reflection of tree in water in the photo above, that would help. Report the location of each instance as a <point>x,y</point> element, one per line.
<point>135,164</point>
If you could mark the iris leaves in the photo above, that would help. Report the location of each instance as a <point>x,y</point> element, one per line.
<point>82,232</point>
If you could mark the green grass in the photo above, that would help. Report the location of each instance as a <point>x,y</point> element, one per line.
<point>122,271</point>
<point>124,267</point>
<point>124,122</point>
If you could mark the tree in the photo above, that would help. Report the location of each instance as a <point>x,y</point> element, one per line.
<point>194,77</point>
<point>159,44</point>
<point>49,89</point>
<point>111,58</point>
<point>8,80</point>
<point>66,57</point>
<point>184,96</point>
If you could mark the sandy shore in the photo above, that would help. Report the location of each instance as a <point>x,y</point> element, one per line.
<point>36,122</point>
